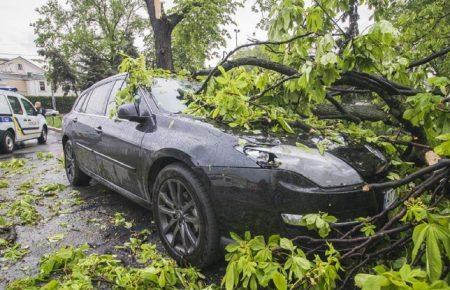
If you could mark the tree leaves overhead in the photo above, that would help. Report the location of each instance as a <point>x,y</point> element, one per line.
<point>202,32</point>
<point>82,39</point>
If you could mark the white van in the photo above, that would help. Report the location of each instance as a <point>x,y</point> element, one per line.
<point>19,121</point>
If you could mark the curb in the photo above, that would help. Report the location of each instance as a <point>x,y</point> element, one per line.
<point>59,130</point>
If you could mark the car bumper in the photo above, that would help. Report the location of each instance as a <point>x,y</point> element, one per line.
<point>257,199</point>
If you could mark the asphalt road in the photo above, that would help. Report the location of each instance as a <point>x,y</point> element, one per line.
<point>29,147</point>
<point>82,215</point>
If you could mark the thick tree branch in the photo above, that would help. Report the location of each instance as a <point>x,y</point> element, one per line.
<point>361,112</point>
<point>429,58</point>
<point>341,109</point>
<point>214,71</point>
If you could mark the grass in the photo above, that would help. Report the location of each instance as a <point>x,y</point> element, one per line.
<point>54,121</point>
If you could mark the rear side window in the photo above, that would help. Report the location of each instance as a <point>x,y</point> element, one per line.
<point>15,105</point>
<point>85,101</point>
<point>97,101</point>
<point>80,101</point>
<point>4,106</point>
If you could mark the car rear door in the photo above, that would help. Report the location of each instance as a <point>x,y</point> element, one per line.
<point>92,122</point>
<point>6,120</point>
<point>120,148</point>
<point>32,119</point>
<point>19,117</point>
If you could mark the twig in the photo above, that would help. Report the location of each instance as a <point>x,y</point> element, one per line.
<point>211,73</point>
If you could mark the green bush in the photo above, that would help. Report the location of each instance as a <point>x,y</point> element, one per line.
<point>54,121</point>
<point>63,104</point>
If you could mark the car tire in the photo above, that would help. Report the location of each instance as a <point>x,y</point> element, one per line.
<point>180,202</point>
<point>7,142</point>
<point>43,138</point>
<point>74,174</point>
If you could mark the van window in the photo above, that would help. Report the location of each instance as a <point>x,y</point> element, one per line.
<point>15,105</point>
<point>4,106</point>
<point>31,111</point>
<point>98,99</point>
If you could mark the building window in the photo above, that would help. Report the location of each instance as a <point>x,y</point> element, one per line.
<point>19,66</point>
<point>42,86</point>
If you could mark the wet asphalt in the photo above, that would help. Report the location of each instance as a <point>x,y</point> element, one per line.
<point>82,215</point>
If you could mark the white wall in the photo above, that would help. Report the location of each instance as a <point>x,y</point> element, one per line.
<point>12,66</point>
<point>34,89</point>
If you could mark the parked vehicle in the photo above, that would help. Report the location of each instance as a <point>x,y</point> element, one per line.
<point>203,181</point>
<point>19,121</point>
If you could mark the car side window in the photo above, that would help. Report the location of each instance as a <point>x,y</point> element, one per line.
<point>97,100</point>
<point>118,85</point>
<point>80,102</point>
<point>31,111</point>
<point>85,101</point>
<point>144,109</point>
<point>15,105</point>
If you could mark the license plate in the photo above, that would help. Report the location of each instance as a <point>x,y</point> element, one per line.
<point>389,198</point>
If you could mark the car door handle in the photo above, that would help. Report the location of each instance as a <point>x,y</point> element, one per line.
<point>75,120</point>
<point>99,129</point>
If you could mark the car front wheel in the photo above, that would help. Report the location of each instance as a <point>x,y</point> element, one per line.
<point>7,143</point>
<point>74,174</point>
<point>184,216</point>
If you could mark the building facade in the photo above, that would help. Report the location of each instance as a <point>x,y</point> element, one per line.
<point>27,76</point>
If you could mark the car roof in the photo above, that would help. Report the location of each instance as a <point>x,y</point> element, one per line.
<point>103,81</point>
<point>14,94</point>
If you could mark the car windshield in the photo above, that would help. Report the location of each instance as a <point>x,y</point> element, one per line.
<point>168,93</point>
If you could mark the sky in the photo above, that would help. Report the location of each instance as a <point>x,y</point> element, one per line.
<point>17,37</point>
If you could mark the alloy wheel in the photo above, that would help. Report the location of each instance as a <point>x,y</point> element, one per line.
<point>179,216</point>
<point>69,161</point>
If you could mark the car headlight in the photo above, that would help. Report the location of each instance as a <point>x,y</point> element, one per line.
<point>263,158</point>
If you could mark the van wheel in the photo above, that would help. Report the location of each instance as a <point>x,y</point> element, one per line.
<point>7,143</point>
<point>184,216</point>
<point>74,174</point>
<point>43,138</point>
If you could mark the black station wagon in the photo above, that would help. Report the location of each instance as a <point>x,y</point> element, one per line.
<point>203,181</point>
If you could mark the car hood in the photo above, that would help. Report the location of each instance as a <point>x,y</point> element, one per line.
<point>342,162</point>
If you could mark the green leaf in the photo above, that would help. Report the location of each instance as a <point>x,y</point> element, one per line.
<point>279,280</point>
<point>433,256</point>
<point>229,276</point>
<point>418,238</point>
<point>285,125</point>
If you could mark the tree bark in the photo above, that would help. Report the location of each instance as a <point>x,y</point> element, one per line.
<point>163,45</point>
<point>363,112</point>
<point>162,30</point>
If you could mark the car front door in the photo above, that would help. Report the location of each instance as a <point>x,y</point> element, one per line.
<point>120,147</point>
<point>32,118</point>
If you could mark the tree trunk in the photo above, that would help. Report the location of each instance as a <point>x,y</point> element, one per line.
<point>162,30</point>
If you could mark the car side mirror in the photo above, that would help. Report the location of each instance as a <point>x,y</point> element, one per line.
<point>129,112</point>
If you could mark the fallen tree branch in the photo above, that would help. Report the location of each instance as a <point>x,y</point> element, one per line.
<point>362,112</point>
<point>357,251</point>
